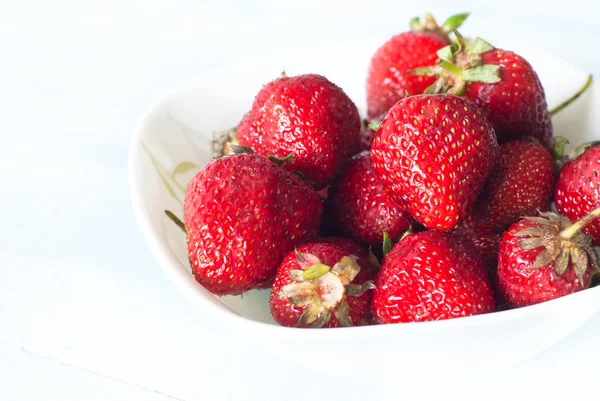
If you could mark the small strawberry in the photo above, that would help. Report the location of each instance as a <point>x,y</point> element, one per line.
<point>361,207</point>
<point>307,116</point>
<point>320,285</point>
<point>387,80</point>
<point>519,185</point>
<point>434,153</point>
<point>546,257</point>
<point>502,83</point>
<point>243,214</point>
<point>484,241</point>
<point>577,191</point>
<point>367,134</point>
<point>431,276</point>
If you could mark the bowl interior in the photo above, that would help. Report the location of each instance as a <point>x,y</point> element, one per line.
<point>173,141</point>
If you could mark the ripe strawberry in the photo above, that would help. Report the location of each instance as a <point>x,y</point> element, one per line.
<point>519,185</point>
<point>243,214</point>
<point>431,276</point>
<point>307,116</point>
<point>320,285</point>
<point>434,153</point>
<point>387,80</point>
<point>361,207</point>
<point>367,134</point>
<point>577,191</point>
<point>483,241</point>
<point>543,258</point>
<point>502,83</point>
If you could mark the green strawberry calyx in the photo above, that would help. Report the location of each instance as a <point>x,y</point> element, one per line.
<point>458,64</point>
<point>429,24</point>
<point>563,242</point>
<point>322,290</point>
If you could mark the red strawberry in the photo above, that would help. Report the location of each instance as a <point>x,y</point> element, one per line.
<point>243,214</point>
<point>361,207</point>
<point>519,185</point>
<point>485,242</point>
<point>577,191</point>
<point>502,83</point>
<point>434,153</point>
<point>388,81</point>
<point>306,116</point>
<point>431,276</point>
<point>320,285</point>
<point>543,258</point>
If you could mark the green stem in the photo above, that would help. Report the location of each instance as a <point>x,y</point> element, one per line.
<point>570,231</point>
<point>451,68</point>
<point>176,220</point>
<point>570,100</point>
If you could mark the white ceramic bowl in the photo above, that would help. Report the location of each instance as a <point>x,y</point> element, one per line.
<point>172,141</point>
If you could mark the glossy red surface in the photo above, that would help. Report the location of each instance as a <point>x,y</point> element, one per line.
<point>308,116</point>
<point>361,207</point>
<point>243,214</point>
<point>431,276</point>
<point>287,314</point>
<point>577,191</point>
<point>388,81</point>
<point>521,285</point>
<point>434,153</point>
<point>516,106</point>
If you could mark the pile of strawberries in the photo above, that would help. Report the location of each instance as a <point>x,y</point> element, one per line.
<point>439,208</point>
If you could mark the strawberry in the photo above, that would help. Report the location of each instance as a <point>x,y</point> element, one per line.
<point>387,79</point>
<point>321,285</point>
<point>545,257</point>
<point>519,185</point>
<point>431,275</point>
<point>307,116</point>
<point>434,153</point>
<point>502,83</point>
<point>361,207</point>
<point>243,214</point>
<point>577,191</point>
<point>484,241</point>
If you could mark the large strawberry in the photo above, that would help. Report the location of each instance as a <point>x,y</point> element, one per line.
<point>306,116</point>
<point>545,257</point>
<point>520,184</point>
<point>577,191</point>
<point>434,153</point>
<point>361,207</point>
<point>321,285</point>
<point>501,82</point>
<point>243,214</point>
<point>431,276</point>
<point>387,80</point>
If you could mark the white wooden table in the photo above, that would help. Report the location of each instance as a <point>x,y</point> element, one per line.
<point>85,312</point>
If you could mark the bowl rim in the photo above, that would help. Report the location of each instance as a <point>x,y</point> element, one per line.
<point>209,304</point>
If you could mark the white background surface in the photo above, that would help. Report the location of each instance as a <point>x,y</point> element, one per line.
<point>85,312</point>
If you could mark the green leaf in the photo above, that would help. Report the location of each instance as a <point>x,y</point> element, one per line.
<point>415,24</point>
<point>558,152</point>
<point>454,22</point>
<point>183,167</point>
<point>375,125</point>
<point>388,244</point>
<point>424,71</point>
<point>489,74</point>
<point>373,260</point>
<point>446,53</point>
<point>480,46</point>
<point>315,271</point>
